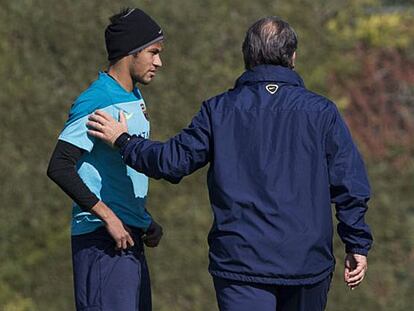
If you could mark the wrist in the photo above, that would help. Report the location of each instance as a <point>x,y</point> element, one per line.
<point>122,140</point>
<point>112,221</point>
<point>356,250</point>
<point>104,213</point>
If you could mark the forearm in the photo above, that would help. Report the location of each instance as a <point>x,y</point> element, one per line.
<point>104,213</point>
<point>350,195</point>
<point>349,187</point>
<point>155,159</point>
<point>352,228</point>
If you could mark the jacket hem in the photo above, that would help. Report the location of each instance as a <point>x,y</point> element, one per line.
<point>275,280</point>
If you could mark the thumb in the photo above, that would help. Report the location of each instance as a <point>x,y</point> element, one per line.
<point>122,118</point>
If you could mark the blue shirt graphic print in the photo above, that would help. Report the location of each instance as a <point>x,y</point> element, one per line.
<point>101,167</point>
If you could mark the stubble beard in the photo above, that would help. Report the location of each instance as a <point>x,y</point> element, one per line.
<point>142,79</point>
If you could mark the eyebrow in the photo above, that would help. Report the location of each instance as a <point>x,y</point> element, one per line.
<point>155,49</point>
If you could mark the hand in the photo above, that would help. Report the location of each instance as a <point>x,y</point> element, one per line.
<point>120,233</point>
<point>355,267</point>
<point>114,226</point>
<point>153,235</point>
<point>103,126</point>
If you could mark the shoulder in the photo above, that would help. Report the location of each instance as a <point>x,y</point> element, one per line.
<point>93,98</point>
<point>217,100</point>
<point>311,101</point>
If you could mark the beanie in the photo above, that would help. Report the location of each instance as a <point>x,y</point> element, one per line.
<point>131,33</point>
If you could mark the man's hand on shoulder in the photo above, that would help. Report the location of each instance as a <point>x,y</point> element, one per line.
<point>355,268</point>
<point>103,126</point>
<point>153,235</point>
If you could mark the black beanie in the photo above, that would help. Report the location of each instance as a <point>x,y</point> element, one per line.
<point>131,33</point>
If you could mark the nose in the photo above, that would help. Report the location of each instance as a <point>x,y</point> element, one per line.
<point>157,61</point>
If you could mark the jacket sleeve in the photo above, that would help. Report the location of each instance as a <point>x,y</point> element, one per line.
<point>179,156</point>
<point>349,187</point>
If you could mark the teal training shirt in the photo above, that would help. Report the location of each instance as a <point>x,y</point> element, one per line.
<point>101,167</point>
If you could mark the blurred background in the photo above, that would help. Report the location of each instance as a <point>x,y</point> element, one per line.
<point>358,53</point>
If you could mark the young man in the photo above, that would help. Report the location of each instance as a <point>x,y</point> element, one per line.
<point>110,221</point>
<point>279,155</point>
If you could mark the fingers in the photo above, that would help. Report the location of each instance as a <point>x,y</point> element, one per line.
<point>356,282</point>
<point>101,122</point>
<point>356,271</point>
<point>97,118</point>
<point>130,241</point>
<point>96,134</point>
<point>152,242</point>
<point>102,114</point>
<point>346,273</point>
<point>122,118</point>
<point>355,268</point>
<point>96,123</point>
<point>119,232</point>
<point>354,277</point>
<point>153,236</point>
<point>124,243</point>
<point>119,244</point>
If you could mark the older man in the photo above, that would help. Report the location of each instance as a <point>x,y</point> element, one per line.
<point>279,155</point>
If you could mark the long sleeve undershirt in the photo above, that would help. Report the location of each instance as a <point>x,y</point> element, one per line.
<point>62,170</point>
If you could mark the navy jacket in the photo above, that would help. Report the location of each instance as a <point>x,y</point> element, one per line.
<point>279,155</point>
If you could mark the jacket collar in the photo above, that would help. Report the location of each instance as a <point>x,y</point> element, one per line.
<point>270,73</point>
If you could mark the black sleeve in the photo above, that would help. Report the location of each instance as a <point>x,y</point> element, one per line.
<point>62,170</point>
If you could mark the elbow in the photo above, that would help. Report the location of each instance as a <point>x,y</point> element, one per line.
<point>167,177</point>
<point>173,180</point>
<point>52,173</point>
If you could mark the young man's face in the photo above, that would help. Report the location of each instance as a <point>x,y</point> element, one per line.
<point>145,64</point>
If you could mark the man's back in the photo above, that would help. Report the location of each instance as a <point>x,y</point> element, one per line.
<point>268,180</point>
<point>277,161</point>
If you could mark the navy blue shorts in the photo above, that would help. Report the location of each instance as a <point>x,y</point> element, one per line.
<point>107,279</point>
<point>245,296</point>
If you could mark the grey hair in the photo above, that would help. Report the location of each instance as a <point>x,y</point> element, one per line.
<point>269,41</point>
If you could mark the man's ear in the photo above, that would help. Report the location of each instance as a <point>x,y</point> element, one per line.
<point>293,59</point>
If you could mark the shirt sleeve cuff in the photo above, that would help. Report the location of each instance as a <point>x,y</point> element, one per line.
<point>122,140</point>
<point>355,250</point>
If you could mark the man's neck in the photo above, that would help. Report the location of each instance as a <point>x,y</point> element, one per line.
<point>121,76</point>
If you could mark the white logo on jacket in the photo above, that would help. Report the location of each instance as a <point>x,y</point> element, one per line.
<point>272,88</point>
